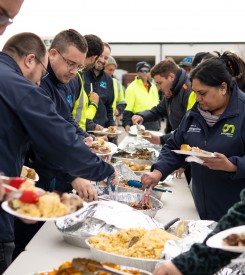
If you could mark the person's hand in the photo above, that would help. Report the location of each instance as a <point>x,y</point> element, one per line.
<point>167,268</point>
<point>116,112</point>
<point>99,127</point>
<point>85,189</point>
<point>88,141</point>
<point>93,97</point>
<point>151,178</point>
<point>127,128</point>
<point>178,173</point>
<point>153,139</point>
<point>137,119</point>
<point>220,162</point>
<point>2,191</point>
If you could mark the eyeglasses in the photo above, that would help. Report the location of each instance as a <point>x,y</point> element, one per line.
<point>4,18</point>
<point>144,71</point>
<point>45,69</point>
<point>70,64</point>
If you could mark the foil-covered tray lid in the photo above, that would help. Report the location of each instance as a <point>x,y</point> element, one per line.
<point>105,216</point>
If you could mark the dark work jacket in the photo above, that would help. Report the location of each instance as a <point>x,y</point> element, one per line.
<point>173,108</point>
<point>214,191</point>
<point>29,115</point>
<point>103,86</point>
<point>64,97</point>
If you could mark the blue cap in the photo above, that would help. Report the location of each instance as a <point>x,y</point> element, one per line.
<point>187,61</point>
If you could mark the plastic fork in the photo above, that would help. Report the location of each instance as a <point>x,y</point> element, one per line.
<point>25,196</point>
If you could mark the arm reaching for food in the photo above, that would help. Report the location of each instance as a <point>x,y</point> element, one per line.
<point>137,119</point>
<point>85,189</point>
<point>151,179</point>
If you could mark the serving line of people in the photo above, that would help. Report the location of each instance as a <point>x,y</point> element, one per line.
<point>49,241</point>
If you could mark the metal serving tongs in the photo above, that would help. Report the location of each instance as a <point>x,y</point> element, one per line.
<point>146,196</point>
<point>95,267</point>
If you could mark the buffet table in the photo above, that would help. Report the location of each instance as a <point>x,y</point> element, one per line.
<point>47,249</point>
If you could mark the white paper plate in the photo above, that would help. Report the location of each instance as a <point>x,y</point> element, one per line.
<point>113,149</point>
<point>105,132</point>
<point>9,210</point>
<point>36,175</point>
<point>216,241</point>
<point>191,153</point>
<point>134,131</point>
<point>155,133</point>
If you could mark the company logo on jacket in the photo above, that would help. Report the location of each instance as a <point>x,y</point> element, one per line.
<point>69,100</point>
<point>103,84</point>
<point>194,129</point>
<point>228,130</point>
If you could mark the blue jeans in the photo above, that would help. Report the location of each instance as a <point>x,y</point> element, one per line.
<point>6,251</point>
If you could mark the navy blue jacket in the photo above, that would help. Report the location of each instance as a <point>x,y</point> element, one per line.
<point>214,191</point>
<point>103,86</point>
<point>173,108</point>
<point>64,97</point>
<point>29,115</point>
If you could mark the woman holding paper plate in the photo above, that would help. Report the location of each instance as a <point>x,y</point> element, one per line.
<point>216,123</point>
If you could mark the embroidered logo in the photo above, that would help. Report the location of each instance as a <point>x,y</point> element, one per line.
<point>69,100</point>
<point>228,130</point>
<point>194,129</point>
<point>103,84</point>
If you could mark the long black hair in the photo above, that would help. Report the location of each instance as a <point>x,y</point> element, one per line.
<point>215,70</point>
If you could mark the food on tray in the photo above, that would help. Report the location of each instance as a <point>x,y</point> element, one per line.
<point>144,133</point>
<point>186,147</point>
<point>81,266</point>
<point>235,240</point>
<point>137,167</point>
<point>149,246</point>
<point>138,154</point>
<point>99,146</point>
<point>49,204</point>
<point>140,205</point>
<point>28,173</point>
<point>112,129</point>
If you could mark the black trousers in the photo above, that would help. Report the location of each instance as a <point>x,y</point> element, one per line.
<point>23,234</point>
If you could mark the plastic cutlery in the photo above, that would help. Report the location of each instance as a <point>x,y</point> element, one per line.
<point>25,196</point>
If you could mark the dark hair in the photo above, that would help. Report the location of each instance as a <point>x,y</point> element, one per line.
<point>199,57</point>
<point>23,44</point>
<point>95,45</point>
<point>164,68</point>
<point>68,38</point>
<point>216,70</point>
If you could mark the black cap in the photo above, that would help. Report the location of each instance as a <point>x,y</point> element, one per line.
<point>142,64</point>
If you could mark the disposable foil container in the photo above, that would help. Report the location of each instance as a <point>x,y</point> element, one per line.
<point>103,216</point>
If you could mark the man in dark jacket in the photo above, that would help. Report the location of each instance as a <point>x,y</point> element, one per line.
<point>102,85</point>
<point>175,85</point>
<point>29,115</point>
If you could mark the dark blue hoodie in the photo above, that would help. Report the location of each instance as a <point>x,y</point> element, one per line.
<point>214,191</point>
<point>28,115</point>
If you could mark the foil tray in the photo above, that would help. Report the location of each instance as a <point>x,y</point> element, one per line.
<point>155,194</point>
<point>131,197</point>
<point>102,216</point>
